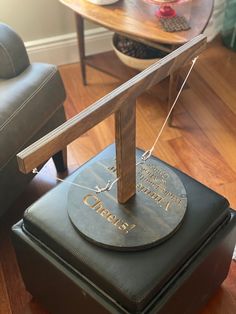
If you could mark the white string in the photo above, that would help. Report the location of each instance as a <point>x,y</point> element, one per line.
<point>72,183</point>
<point>146,155</point>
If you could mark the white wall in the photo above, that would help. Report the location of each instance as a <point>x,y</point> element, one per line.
<point>216,21</point>
<point>36,19</point>
<point>48,29</point>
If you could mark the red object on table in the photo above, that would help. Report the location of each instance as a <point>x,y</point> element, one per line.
<point>165,9</point>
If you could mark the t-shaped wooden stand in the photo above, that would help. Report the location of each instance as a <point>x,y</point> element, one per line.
<point>121,102</point>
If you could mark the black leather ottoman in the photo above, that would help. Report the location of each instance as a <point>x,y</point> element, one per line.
<point>68,274</point>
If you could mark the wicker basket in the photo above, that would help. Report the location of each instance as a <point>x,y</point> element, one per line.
<point>132,62</point>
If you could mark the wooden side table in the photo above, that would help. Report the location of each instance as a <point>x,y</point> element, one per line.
<point>136,19</point>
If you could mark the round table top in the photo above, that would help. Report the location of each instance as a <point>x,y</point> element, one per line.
<point>137,18</point>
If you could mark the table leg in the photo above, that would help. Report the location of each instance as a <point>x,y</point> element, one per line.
<point>81,45</point>
<point>173,90</point>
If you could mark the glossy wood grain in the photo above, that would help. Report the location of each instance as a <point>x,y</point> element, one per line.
<point>202,143</point>
<point>125,138</point>
<point>137,18</point>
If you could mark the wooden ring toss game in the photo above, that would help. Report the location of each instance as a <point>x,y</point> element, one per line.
<point>125,233</point>
<point>128,219</point>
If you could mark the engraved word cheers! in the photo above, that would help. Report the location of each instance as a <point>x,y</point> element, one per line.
<point>95,203</point>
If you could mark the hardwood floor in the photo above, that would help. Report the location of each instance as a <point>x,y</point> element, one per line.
<point>202,143</point>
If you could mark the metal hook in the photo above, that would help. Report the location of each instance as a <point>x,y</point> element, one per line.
<point>146,155</point>
<point>35,171</point>
<point>106,188</point>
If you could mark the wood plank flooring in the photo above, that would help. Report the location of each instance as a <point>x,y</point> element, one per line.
<point>202,143</point>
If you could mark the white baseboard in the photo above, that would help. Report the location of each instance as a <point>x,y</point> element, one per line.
<point>63,49</point>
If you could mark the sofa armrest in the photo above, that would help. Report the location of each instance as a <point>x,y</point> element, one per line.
<point>13,56</point>
<point>27,103</point>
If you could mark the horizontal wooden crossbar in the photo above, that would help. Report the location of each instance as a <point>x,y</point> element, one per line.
<point>119,98</point>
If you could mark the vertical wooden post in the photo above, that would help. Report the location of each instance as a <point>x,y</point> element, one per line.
<point>125,127</point>
<point>81,46</point>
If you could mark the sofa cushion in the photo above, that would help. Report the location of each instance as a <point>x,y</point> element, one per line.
<point>27,102</point>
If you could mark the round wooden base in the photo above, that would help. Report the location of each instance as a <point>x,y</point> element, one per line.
<point>148,218</point>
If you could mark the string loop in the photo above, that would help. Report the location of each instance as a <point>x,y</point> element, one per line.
<point>107,187</point>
